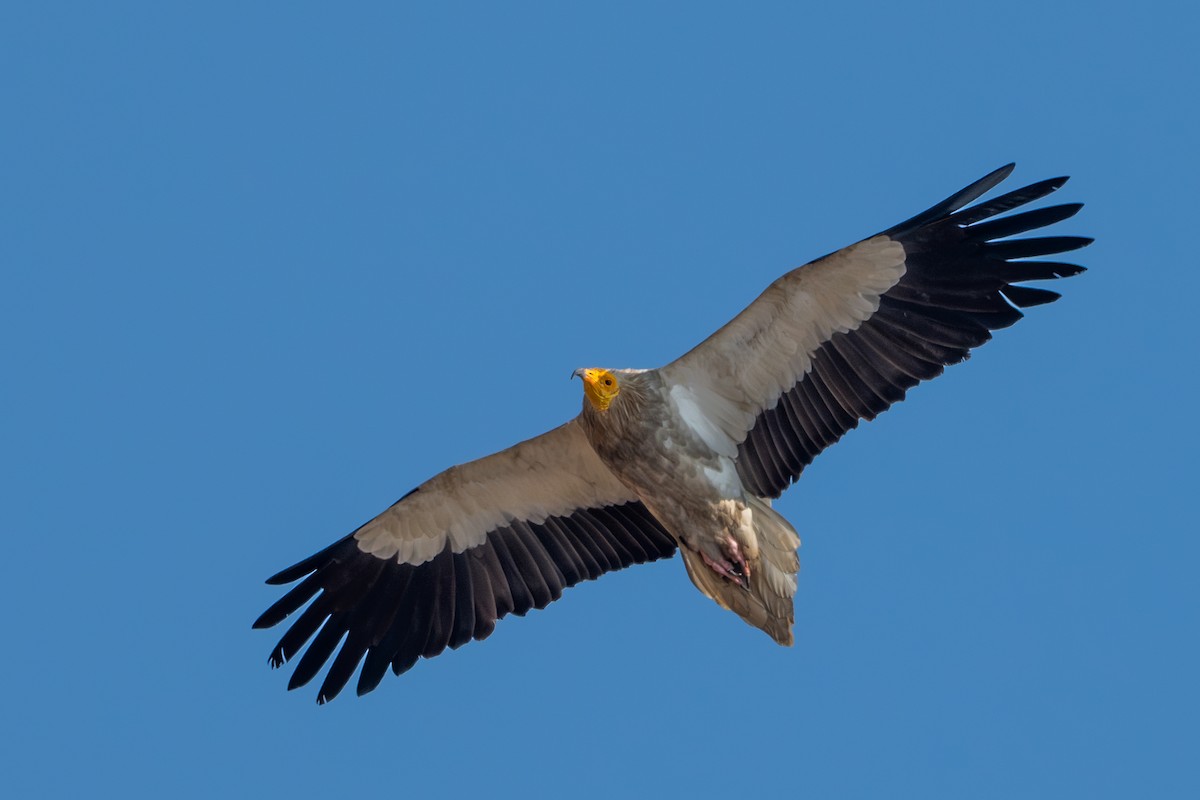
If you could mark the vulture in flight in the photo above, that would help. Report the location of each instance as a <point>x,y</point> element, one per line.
<point>685,457</point>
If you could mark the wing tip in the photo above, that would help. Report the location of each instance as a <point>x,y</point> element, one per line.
<point>1002,172</point>
<point>955,202</point>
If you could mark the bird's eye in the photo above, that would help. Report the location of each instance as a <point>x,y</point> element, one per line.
<point>608,381</point>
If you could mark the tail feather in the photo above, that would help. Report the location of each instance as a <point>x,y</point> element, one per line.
<point>767,602</point>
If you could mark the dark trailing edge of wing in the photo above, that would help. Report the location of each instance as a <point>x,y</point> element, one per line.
<point>959,286</point>
<point>390,614</point>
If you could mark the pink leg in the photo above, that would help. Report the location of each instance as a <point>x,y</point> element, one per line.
<point>736,569</point>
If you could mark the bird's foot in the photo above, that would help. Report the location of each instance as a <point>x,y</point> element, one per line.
<point>732,567</point>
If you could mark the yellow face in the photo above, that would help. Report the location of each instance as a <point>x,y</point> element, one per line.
<point>600,387</point>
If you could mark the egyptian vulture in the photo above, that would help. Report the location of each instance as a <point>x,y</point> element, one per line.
<point>686,457</point>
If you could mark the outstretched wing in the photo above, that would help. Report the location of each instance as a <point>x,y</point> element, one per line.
<point>500,535</point>
<point>844,337</point>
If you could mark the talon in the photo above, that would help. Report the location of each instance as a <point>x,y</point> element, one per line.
<point>735,572</point>
<point>740,567</point>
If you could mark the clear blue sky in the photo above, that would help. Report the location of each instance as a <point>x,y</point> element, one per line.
<point>265,268</point>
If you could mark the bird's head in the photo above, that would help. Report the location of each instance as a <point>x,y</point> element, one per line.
<point>600,386</point>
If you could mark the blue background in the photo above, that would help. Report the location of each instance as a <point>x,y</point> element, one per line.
<point>266,267</point>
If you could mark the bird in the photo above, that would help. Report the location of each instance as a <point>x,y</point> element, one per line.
<point>684,458</point>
